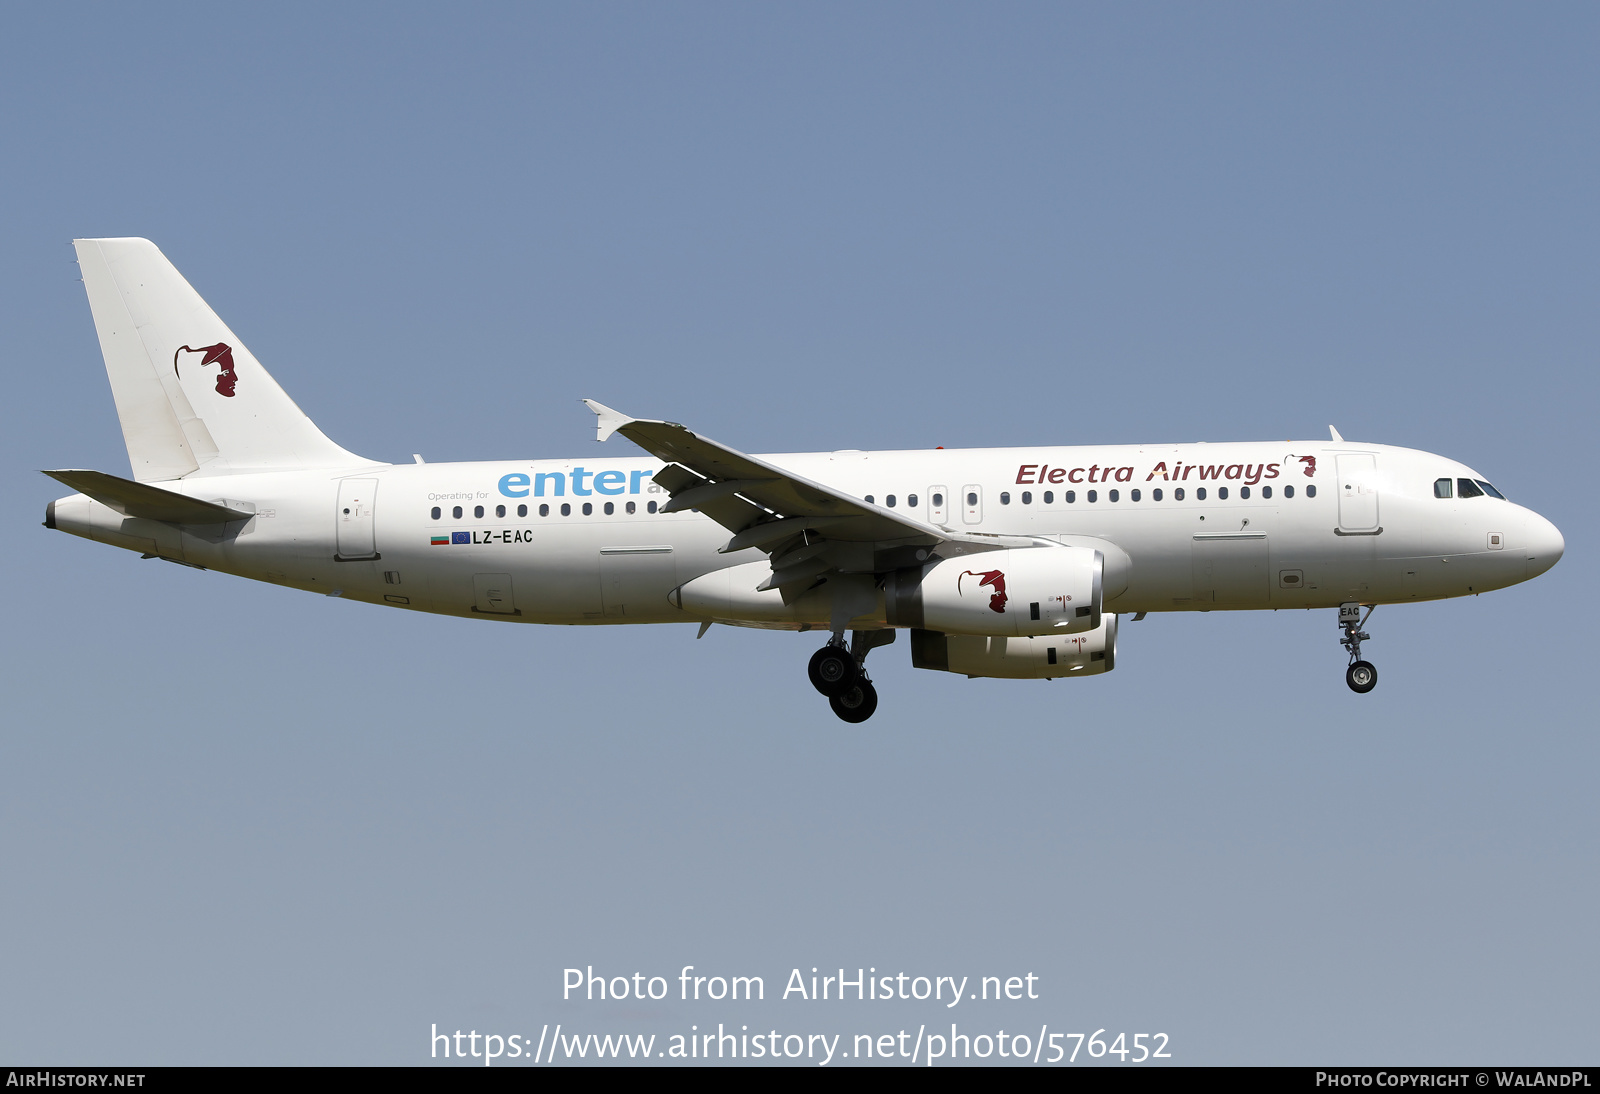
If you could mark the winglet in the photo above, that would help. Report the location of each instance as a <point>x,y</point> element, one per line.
<point>1332,432</point>
<point>608,420</point>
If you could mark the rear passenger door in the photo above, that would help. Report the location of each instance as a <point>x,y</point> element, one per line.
<point>354,520</point>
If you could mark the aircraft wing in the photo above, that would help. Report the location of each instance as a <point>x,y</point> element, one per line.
<point>808,528</point>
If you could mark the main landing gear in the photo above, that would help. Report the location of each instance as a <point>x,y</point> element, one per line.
<point>840,673</point>
<point>1361,676</point>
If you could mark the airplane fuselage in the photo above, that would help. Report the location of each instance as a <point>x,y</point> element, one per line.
<point>1203,526</point>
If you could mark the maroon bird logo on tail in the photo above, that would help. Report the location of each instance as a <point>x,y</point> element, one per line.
<point>219,354</point>
<point>994,578</point>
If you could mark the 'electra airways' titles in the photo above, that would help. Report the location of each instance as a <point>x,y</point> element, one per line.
<point>1008,562</point>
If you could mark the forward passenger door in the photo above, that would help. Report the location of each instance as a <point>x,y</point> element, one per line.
<point>1358,492</point>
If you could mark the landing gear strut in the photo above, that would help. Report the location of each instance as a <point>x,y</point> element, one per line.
<point>1361,676</point>
<point>840,673</point>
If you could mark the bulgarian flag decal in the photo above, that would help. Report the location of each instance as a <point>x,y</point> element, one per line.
<point>441,541</point>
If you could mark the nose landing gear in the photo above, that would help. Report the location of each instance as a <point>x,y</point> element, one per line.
<point>841,674</point>
<point>1361,675</point>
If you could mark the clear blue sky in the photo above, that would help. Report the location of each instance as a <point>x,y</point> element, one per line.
<point>244,824</point>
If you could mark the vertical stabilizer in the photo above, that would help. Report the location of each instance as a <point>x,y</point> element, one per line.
<point>192,399</point>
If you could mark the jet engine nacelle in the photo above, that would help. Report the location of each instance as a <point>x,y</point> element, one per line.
<point>1012,593</point>
<point>1033,658</point>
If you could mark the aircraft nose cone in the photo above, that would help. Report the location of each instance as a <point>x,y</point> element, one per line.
<point>1544,545</point>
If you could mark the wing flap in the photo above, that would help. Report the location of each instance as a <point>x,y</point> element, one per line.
<point>696,496</point>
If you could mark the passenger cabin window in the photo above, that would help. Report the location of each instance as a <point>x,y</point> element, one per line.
<point>1266,491</point>
<point>1222,494</point>
<point>1116,496</point>
<point>1027,497</point>
<point>632,508</point>
<point>911,500</point>
<point>1094,496</point>
<point>870,500</point>
<point>1005,497</point>
<point>1288,491</point>
<point>972,499</point>
<point>456,512</point>
<point>1049,497</point>
<point>1468,489</point>
<point>588,509</point>
<point>436,513</point>
<point>522,510</point>
<point>610,508</point>
<point>1071,496</point>
<point>544,510</point>
<point>938,500</point>
<point>651,507</point>
<point>1200,494</point>
<point>499,510</point>
<point>889,501</point>
<point>1177,495</point>
<point>1311,491</point>
<point>1135,495</point>
<point>1443,488</point>
<point>1155,495</point>
<point>1244,491</point>
<point>566,509</point>
<point>477,510</point>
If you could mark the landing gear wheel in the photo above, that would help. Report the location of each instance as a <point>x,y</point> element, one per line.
<point>833,670</point>
<point>1361,677</point>
<point>856,703</point>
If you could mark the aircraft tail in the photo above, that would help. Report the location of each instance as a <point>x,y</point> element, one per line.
<point>192,399</point>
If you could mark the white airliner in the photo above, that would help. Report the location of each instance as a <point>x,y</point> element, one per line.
<point>1007,562</point>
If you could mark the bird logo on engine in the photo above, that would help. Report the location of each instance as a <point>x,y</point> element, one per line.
<point>996,579</point>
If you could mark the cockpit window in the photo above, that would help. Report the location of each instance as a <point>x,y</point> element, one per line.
<point>1491,491</point>
<point>1443,488</point>
<point>1468,489</point>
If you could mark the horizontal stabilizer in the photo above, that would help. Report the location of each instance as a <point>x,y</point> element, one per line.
<point>137,499</point>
